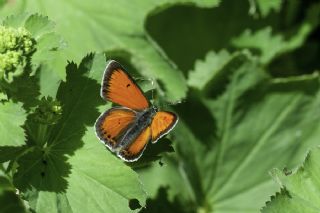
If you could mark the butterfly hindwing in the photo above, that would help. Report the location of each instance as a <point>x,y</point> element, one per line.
<point>118,87</point>
<point>112,124</point>
<point>134,150</point>
<point>162,123</point>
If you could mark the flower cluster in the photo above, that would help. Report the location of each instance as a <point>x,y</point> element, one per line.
<point>48,112</point>
<point>16,48</point>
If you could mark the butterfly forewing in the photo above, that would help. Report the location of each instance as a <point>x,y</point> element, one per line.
<point>134,150</point>
<point>112,124</point>
<point>118,87</point>
<point>162,123</point>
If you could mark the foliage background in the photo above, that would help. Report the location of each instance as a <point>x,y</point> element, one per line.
<point>245,73</point>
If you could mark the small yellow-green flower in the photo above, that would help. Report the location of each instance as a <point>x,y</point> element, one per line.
<point>16,48</point>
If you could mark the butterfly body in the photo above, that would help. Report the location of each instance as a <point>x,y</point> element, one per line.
<point>128,128</point>
<point>142,121</point>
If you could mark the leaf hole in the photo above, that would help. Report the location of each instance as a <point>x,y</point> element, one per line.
<point>134,204</point>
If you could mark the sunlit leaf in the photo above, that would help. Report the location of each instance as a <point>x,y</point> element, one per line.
<point>300,188</point>
<point>208,69</point>
<point>12,117</point>
<point>267,6</point>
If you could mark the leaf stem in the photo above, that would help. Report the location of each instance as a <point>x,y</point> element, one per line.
<point>224,137</point>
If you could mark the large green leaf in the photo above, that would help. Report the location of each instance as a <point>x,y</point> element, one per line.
<point>12,117</point>
<point>73,171</point>
<point>108,26</point>
<point>300,190</point>
<point>207,69</point>
<point>255,124</point>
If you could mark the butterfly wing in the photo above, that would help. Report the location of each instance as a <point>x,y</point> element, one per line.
<point>111,125</point>
<point>162,123</point>
<point>120,88</point>
<point>134,150</point>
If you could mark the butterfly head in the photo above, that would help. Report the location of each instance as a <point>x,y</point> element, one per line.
<point>154,109</point>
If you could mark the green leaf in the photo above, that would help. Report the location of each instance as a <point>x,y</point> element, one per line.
<point>208,73</point>
<point>208,68</point>
<point>49,44</point>
<point>38,25</point>
<point>267,6</point>
<point>3,96</point>
<point>74,171</point>
<point>12,117</point>
<point>45,61</point>
<point>115,32</point>
<point>271,44</point>
<point>2,2</point>
<point>165,175</point>
<point>24,89</point>
<point>300,190</point>
<point>15,20</point>
<point>253,125</point>
<point>48,81</point>
<point>8,153</point>
<point>162,204</point>
<point>9,200</point>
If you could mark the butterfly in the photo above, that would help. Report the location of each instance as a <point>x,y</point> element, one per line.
<point>126,129</point>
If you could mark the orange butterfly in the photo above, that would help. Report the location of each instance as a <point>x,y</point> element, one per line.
<point>127,129</point>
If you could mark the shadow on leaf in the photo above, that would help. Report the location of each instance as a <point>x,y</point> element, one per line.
<point>203,125</point>
<point>152,153</point>
<point>162,203</point>
<point>45,167</point>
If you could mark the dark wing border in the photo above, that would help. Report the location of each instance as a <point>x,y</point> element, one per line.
<point>112,66</point>
<point>101,118</point>
<point>166,131</point>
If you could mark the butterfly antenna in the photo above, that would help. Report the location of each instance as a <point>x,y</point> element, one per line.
<point>152,84</point>
<point>172,103</point>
